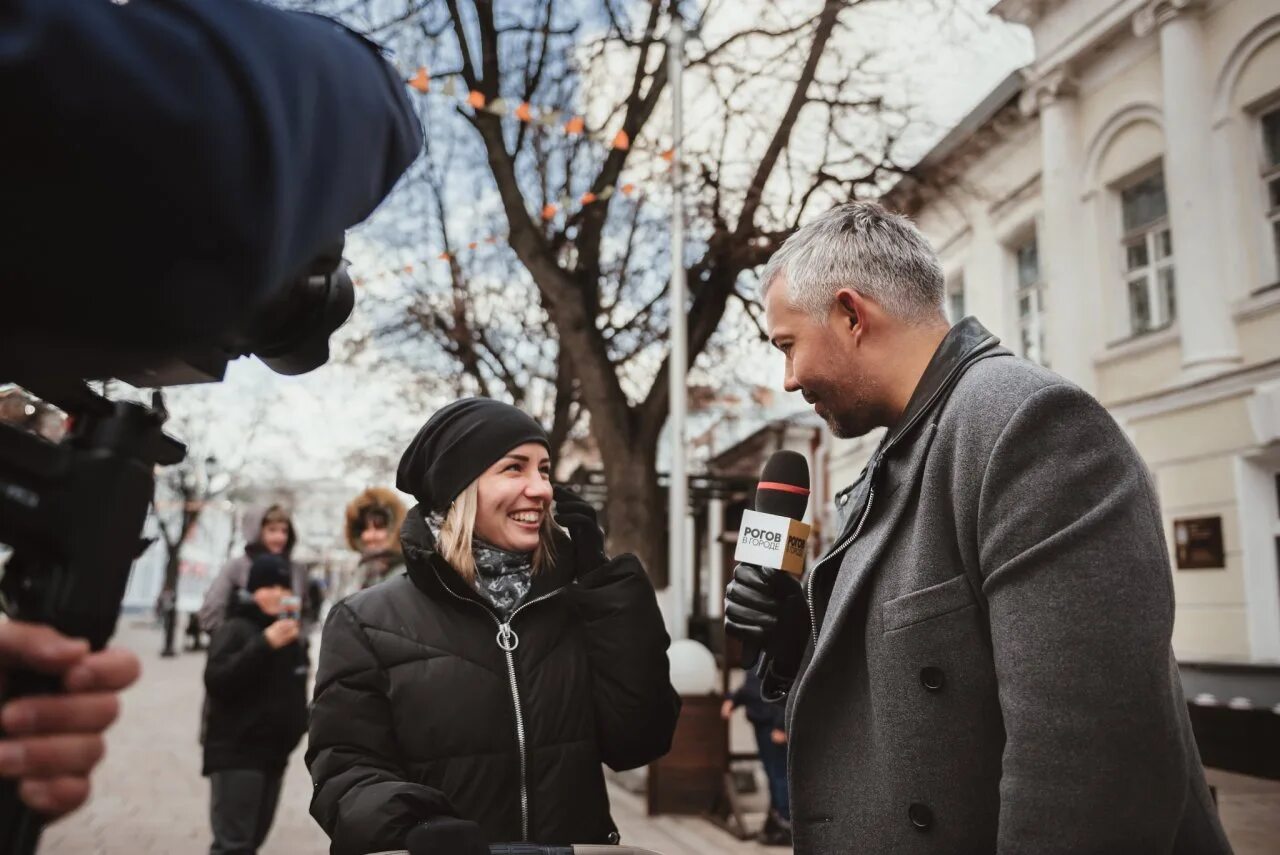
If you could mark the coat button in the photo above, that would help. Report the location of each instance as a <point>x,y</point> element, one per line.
<point>920,815</point>
<point>932,678</point>
<point>615,838</point>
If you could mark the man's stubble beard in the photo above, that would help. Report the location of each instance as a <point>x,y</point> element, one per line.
<point>859,416</point>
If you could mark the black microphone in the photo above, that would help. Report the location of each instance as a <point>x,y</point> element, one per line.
<point>774,536</point>
<point>784,485</point>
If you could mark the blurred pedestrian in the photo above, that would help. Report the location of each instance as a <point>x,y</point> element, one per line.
<point>473,699</point>
<point>373,529</point>
<point>769,722</point>
<point>194,633</point>
<point>256,684</point>
<point>266,530</point>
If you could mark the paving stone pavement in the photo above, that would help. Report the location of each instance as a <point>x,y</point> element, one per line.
<point>150,799</point>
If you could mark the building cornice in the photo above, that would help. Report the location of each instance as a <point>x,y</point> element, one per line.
<point>1043,89</point>
<point>1181,396</point>
<point>1154,14</point>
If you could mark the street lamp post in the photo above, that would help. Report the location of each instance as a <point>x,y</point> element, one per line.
<point>677,490</point>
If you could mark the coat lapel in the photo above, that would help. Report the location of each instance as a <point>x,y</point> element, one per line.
<point>892,498</point>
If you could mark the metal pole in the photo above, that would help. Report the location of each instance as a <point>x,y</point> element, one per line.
<point>678,491</point>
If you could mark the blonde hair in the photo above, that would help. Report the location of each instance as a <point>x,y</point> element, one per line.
<point>458,531</point>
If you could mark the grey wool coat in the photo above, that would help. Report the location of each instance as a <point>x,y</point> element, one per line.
<point>992,669</point>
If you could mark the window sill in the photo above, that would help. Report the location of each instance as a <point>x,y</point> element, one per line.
<point>1138,344</point>
<point>1260,302</point>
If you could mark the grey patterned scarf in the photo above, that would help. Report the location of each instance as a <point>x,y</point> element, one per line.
<point>502,577</point>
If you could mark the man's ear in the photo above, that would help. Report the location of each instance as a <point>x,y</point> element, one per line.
<point>852,309</point>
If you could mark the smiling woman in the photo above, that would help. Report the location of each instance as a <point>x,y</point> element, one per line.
<point>473,699</point>
<point>507,507</point>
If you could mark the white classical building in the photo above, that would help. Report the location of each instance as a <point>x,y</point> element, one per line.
<point>1113,211</point>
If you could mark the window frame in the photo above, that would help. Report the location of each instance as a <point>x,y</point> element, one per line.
<point>1161,299</point>
<point>1270,174</point>
<point>1032,325</point>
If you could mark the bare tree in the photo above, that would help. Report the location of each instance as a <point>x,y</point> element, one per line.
<point>793,112</point>
<point>184,490</point>
<point>485,343</point>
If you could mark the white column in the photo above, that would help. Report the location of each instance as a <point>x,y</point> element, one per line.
<point>715,557</point>
<point>1208,333</point>
<point>1072,329</point>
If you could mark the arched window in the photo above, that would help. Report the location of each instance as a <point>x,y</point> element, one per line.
<point>1031,300</point>
<point>1147,245</point>
<point>1269,124</point>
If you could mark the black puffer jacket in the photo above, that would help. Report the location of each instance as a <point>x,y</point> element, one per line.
<point>415,711</point>
<point>256,703</point>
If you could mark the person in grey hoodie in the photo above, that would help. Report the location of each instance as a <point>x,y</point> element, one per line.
<point>267,529</point>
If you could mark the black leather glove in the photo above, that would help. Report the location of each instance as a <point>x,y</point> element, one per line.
<point>766,608</point>
<point>447,835</point>
<point>577,516</point>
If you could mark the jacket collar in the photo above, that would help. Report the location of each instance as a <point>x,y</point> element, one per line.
<point>432,575</point>
<point>966,343</point>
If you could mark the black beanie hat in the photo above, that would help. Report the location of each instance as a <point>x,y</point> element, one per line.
<point>268,570</point>
<point>457,444</point>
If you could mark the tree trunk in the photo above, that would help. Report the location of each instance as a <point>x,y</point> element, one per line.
<point>169,598</point>
<point>636,518</point>
<point>172,562</point>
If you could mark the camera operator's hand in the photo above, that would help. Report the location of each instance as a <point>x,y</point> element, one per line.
<point>578,517</point>
<point>52,742</point>
<point>766,608</point>
<point>282,632</point>
<point>447,835</point>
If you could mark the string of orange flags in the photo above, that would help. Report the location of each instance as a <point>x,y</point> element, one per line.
<point>546,118</point>
<point>549,212</point>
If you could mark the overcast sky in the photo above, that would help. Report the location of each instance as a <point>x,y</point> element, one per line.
<point>321,418</point>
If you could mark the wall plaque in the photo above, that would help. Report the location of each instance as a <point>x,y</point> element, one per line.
<point>1198,544</point>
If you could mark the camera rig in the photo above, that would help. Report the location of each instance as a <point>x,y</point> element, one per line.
<point>73,511</point>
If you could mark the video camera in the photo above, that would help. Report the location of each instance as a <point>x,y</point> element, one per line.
<point>73,511</point>
<point>182,217</point>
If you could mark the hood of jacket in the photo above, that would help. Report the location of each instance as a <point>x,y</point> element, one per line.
<point>375,497</point>
<point>251,528</point>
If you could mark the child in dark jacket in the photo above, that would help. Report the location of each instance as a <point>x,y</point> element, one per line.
<point>256,679</point>
<point>768,720</point>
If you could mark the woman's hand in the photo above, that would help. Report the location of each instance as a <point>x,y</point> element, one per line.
<point>52,742</point>
<point>574,514</point>
<point>281,632</point>
<point>447,835</point>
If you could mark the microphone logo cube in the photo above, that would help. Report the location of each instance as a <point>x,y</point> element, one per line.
<point>768,540</point>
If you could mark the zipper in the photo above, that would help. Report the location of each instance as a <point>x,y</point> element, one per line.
<point>813,610</point>
<point>508,641</point>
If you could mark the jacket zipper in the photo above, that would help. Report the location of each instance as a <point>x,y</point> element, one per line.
<point>813,611</point>
<point>508,641</point>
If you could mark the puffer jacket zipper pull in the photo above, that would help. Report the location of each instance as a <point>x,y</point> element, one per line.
<point>508,641</point>
<point>507,638</point>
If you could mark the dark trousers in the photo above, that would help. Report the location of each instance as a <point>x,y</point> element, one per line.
<point>242,806</point>
<point>774,759</point>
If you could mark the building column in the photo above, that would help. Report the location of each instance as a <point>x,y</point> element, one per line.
<point>1072,330</point>
<point>1208,332</point>
<point>715,557</point>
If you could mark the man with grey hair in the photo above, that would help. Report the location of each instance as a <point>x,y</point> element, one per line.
<point>982,662</point>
